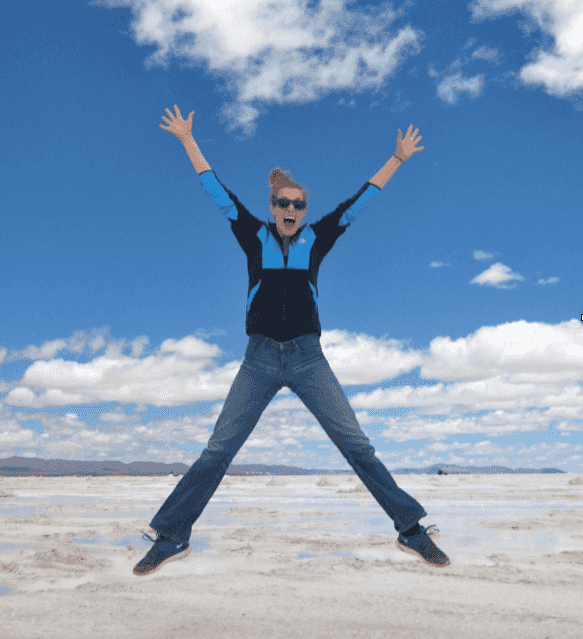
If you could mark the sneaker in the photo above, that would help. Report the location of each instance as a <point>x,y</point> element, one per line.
<point>423,547</point>
<point>163,551</point>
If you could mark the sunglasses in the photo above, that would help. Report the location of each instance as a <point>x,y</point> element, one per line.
<point>283,203</point>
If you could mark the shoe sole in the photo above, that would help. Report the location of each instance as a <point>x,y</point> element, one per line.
<point>180,555</point>
<point>410,551</point>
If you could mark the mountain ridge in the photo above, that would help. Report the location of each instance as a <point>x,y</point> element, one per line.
<point>37,467</point>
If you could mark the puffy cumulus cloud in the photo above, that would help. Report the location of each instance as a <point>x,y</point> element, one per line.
<point>183,372</point>
<point>510,365</point>
<point>496,276</point>
<point>190,347</point>
<point>20,396</point>
<point>361,359</point>
<point>13,435</point>
<point>179,372</point>
<point>528,375</point>
<point>275,52</point>
<point>522,351</point>
<point>524,376</point>
<point>15,438</point>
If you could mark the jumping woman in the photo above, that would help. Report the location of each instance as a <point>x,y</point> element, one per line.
<point>283,260</point>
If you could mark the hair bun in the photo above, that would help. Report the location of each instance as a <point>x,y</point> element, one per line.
<point>279,179</point>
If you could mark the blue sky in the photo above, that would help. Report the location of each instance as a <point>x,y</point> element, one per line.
<point>451,312</point>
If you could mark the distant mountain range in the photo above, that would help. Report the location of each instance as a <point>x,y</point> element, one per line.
<point>34,467</point>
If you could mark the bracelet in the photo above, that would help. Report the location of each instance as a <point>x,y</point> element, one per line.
<point>398,158</point>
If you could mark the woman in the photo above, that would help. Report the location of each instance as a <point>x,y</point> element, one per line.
<point>282,322</point>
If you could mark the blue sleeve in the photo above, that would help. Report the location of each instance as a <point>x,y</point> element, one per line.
<point>347,212</point>
<point>243,224</point>
<point>218,194</point>
<point>358,204</point>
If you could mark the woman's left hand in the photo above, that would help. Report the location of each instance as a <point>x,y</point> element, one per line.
<point>406,147</point>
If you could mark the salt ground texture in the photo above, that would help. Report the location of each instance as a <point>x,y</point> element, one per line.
<point>293,557</point>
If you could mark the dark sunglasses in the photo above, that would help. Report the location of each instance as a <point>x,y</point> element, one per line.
<point>283,203</point>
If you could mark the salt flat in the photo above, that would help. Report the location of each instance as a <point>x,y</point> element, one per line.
<point>293,556</point>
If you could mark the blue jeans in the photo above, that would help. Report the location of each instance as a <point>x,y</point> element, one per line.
<point>268,366</point>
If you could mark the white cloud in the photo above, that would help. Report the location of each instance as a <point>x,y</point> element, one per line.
<point>20,396</point>
<point>523,376</point>
<point>484,53</point>
<point>275,52</point>
<point>161,380</point>
<point>15,438</point>
<point>360,359</point>
<point>46,351</point>
<point>559,70</point>
<point>482,255</point>
<point>116,416</point>
<point>452,85</point>
<point>496,275</point>
<point>181,372</point>
<point>190,347</point>
<point>77,343</point>
<point>138,345</point>
<point>526,351</point>
<point>287,52</point>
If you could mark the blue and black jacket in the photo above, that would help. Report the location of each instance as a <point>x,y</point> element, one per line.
<point>282,299</point>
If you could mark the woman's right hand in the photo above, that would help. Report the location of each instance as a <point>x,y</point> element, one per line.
<point>178,127</point>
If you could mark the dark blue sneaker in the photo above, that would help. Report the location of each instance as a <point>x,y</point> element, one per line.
<point>163,551</point>
<point>421,546</point>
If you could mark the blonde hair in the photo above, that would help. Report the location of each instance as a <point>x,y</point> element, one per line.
<point>279,179</point>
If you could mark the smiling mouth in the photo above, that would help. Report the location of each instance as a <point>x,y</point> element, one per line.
<point>289,221</point>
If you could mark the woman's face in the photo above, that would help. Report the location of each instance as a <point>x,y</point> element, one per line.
<point>290,213</point>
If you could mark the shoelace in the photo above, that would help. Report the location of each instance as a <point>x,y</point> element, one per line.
<point>158,539</point>
<point>148,536</point>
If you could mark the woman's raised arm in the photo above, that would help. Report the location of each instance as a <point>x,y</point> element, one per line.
<point>182,129</point>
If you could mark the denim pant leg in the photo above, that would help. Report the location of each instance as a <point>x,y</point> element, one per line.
<point>310,377</point>
<point>248,397</point>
